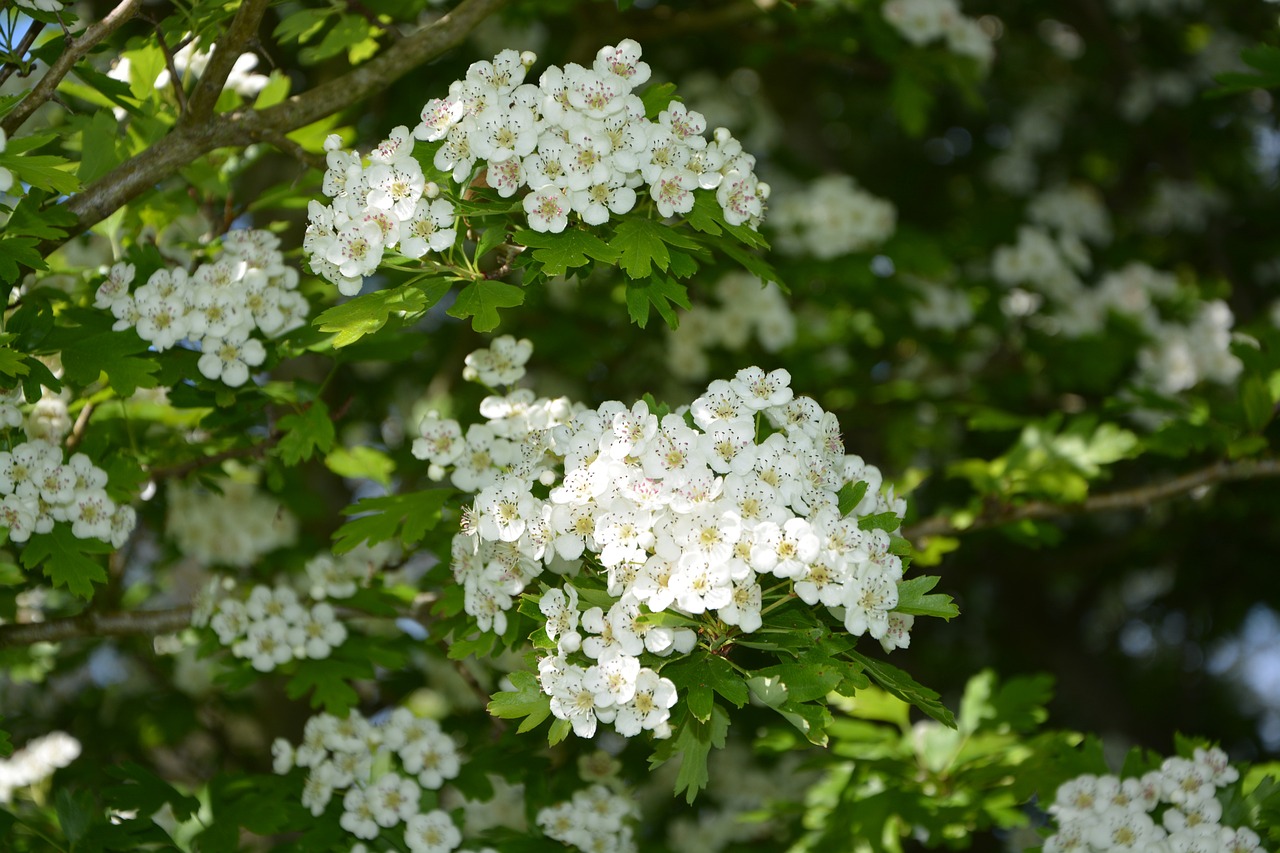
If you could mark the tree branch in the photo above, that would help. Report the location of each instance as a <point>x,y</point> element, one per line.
<point>187,143</point>
<point>1136,498</point>
<point>72,53</point>
<point>182,469</point>
<point>28,39</point>
<point>89,624</point>
<point>225,53</point>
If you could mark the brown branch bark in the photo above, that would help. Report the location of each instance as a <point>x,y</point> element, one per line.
<point>182,469</point>
<point>1136,498</point>
<point>134,623</point>
<point>187,143</point>
<point>244,26</point>
<point>72,53</point>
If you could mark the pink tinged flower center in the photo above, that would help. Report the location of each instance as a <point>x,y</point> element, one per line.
<point>549,207</point>
<point>357,248</point>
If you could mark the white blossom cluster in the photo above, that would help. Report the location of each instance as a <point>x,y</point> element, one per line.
<point>745,309</point>
<point>383,770</point>
<point>1034,131</point>
<point>247,288</point>
<point>1182,206</point>
<point>40,488</point>
<point>36,762</point>
<point>677,516</point>
<point>924,21</point>
<point>233,528</point>
<point>1179,354</point>
<point>594,820</point>
<point>1171,810</point>
<point>831,217</point>
<point>1074,209</point>
<point>578,141</point>
<point>6,177</point>
<point>940,306</point>
<point>273,626</point>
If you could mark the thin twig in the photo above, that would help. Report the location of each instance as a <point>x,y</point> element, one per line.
<point>285,145</point>
<point>89,624</point>
<point>175,79</point>
<point>244,27</point>
<point>1140,497</point>
<point>72,52</point>
<point>182,469</point>
<point>23,46</point>
<point>77,431</point>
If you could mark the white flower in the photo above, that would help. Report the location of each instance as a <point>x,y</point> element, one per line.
<point>547,209</point>
<point>230,360</point>
<point>432,832</point>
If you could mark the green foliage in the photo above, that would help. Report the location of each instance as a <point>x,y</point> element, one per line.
<point>65,560</point>
<point>406,517</point>
<point>368,313</point>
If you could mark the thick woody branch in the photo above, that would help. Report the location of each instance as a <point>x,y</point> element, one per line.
<point>149,623</point>
<point>190,142</point>
<point>1141,497</point>
<point>72,53</point>
<point>227,50</point>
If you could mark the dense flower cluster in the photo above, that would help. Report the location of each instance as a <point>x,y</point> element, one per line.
<point>923,21</point>
<point>383,770</point>
<point>246,288</point>
<point>594,820</point>
<point>232,528</point>
<point>578,142</point>
<point>36,762</point>
<point>274,626</point>
<point>746,309</point>
<point>40,488</point>
<point>687,513</point>
<point>1171,810</point>
<point>940,306</point>
<point>1180,354</point>
<point>831,217</point>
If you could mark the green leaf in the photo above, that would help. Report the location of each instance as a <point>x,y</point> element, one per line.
<point>571,248</point>
<point>361,463</point>
<point>912,599</point>
<point>480,300</point>
<point>99,146</point>
<point>116,354</point>
<point>349,31</point>
<point>6,745</point>
<point>44,171</point>
<point>63,558</point>
<point>328,681</point>
<point>694,741</point>
<point>526,703</point>
<point>410,515</point>
<point>76,812</point>
<point>657,98</point>
<point>888,520</point>
<point>301,25</point>
<point>369,312</point>
<point>12,364</point>
<point>659,291</point>
<point>1255,397</point>
<point>142,790</point>
<point>641,244</point>
<point>18,252</point>
<point>850,495</point>
<point>905,688</point>
<point>305,433</point>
